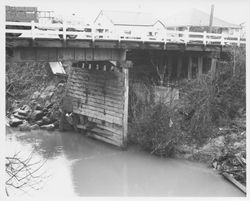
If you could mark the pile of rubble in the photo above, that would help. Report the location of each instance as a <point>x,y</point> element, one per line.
<point>226,153</point>
<point>42,111</point>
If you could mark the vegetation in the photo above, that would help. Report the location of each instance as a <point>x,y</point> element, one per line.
<point>206,104</point>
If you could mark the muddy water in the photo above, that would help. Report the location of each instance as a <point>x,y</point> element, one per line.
<point>80,166</point>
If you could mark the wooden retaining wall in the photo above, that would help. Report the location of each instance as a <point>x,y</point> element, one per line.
<point>101,97</point>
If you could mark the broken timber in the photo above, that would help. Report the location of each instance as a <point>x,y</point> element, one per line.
<point>101,97</point>
<point>235,182</point>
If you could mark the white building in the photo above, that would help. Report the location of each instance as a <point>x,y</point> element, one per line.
<point>130,25</point>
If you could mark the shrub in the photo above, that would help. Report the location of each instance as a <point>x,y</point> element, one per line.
<point>157,130</point>
<point>215,101</point>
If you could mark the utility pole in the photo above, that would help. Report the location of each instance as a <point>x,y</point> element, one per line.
<point>211,18</point>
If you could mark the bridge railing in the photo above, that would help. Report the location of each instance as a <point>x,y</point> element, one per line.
<point>90,32</point>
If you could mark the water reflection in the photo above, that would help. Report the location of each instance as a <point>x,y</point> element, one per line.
<point>86,167</point>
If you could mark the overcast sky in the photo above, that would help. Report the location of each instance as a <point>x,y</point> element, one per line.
<point>230,10</point>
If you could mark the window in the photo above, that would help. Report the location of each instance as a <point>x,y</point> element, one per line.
<point>127,32</point>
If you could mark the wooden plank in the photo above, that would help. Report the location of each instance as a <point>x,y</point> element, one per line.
<point>80,54</point>
<point>18,42</point>
<point>98,74</point>
<point>125,112</point>
<point>52,54</point>
<point>106,44</point>
<point>108,140</point>
<point>103,111</point>
<point>170,66</point>
<point>83,92</point>
<point>213,66</point>
<point>102,106</point>
<point>235,182</point>
<point>102,54</point>
<point>117,129</point>
<point>79,43</point>
<point>175,46</point>
<point>200,65</point>
<point>89,55</point>
<point>48,43</point>
<point>91,88</point>
<point>28,54</point>
<point>95,81</point>
<point>97,115</point>
<point>98,100</point>
<point>115,55</point>
<point>95,85</point>
<point>110,101</point>
<point>179,65</point>
<point>68,54</point>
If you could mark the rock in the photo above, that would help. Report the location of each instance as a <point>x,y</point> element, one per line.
<point>38,107</point>
<point>48,127</point>
<point>24,127</point>
<point>56,124</point>
<point>24,110</point>
<point>40,122</point>
<point>19,116</point>
<point>46,120</point>
<point>239,145</point>
<point>34,127</point>
<point>48,92</point>
<point>184,149</point>
<point>60,88</point>
<point>69,118</point>
<point>14,122</point>
<point>64,124</point>
<point>232,136</point>
<point>35,95</point>
<point>219,141</point>
<point>55,114</point>
<point>37,115</point>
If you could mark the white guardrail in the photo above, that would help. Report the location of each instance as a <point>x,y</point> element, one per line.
<point>66,31</point>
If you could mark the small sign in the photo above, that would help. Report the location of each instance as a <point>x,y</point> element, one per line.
<point>57,68</point>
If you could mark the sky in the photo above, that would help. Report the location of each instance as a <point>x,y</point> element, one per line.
<point>229,10</point>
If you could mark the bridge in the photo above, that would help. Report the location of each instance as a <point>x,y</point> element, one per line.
<point>97,89</point>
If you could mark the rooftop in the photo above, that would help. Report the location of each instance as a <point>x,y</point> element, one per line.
<point>195,17</point>
<point>129,18</point>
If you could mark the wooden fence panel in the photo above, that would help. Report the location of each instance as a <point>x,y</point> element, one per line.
<point>99,96</point>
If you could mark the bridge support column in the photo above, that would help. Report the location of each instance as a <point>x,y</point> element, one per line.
<point>190,66</point>
<point>170,66</point>
<point>213,66</point>
<point>200,65</point>
<point>179,65</point>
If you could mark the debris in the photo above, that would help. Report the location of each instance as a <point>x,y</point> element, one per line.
<point>37,115</point>
<point>48,127</point>
<point>235,182</point>
<point>24,127</point>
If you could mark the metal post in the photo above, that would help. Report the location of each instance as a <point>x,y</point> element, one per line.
<point>204,38</point>
<point>32,29</point>
<point>64,30</point>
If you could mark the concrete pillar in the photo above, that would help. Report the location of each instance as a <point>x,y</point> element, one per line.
<point>179,65</point>
<point>190,65</point>
<point>200,65</point>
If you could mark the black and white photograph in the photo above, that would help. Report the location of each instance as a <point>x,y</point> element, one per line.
<point>115,98</point>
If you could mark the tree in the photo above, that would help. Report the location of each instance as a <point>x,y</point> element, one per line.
<point>23,174</point>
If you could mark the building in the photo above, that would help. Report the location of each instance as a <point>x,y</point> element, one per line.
<point>198,21</point>
<point>130,25</point>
